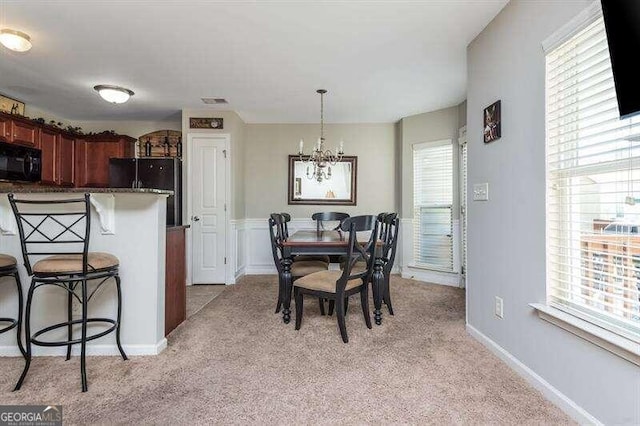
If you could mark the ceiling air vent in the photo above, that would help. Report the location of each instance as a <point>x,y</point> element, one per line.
<point>214,101</point>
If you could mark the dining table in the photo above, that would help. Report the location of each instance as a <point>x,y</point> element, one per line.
<point>325,242</point>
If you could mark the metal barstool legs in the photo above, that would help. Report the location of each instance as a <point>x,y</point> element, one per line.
<point>27,332</point>
<point>84,321</point>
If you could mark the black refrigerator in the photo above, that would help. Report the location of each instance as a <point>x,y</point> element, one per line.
<point>157,173</point>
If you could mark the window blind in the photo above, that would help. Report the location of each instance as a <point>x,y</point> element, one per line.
<point>433,205</point>
<point>593,188</point>
<point>463,204</point>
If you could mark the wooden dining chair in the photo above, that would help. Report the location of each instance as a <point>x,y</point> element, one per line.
<point>338,286</point>
<point>286,218</point>
<point>322,217</point>
<point>389,232</point>
<point>298,269</point>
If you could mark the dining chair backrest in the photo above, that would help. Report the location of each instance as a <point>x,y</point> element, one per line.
<point>389,237</point>
<point>328,216</point>
<point>358,250</point>
<point>275,224</point>
<point>50,227</point>
<point>286,218</point>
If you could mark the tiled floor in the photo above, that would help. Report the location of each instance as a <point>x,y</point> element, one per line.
<point>200,294</point>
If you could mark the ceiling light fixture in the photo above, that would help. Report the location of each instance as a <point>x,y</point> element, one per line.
<point>113,94</point>
<point>319,158</point>
<point>15,40</point>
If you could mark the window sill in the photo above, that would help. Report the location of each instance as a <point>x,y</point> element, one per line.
<point>621,346</point>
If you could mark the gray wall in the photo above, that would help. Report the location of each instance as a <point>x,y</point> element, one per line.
<point>506,254</point>
<point>266,165</point>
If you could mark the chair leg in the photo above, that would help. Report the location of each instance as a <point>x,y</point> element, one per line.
<point>387,294</point>
<point>346,305</point>
<point>83,340</point>
<point>364,300</point>
<point>280,294</point>
<point>340,301</point>
<point>332,306</point>
<point>69,318</point>
<point>27,331</point>
<point>279,305</point>
<point>299,302</point>
<point>321,303</point>
<point>119,289</point>
<point>20,308</point>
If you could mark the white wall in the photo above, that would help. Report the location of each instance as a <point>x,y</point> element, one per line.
<point>506,255</point>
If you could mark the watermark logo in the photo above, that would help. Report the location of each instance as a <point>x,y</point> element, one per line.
<point>30,415</point>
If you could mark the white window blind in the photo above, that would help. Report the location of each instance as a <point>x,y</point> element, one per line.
<point>593,188</point>
<point>463,204</point>
<point>433,205</point>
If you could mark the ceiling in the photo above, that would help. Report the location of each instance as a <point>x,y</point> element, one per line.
<point>379,60</point>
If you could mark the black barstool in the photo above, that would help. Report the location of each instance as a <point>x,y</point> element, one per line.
<point>8,268</point>
<point>60,230</point>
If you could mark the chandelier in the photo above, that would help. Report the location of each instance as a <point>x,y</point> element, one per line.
<point>320,161</point>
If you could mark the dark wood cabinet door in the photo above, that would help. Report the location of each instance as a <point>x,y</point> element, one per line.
<point>5,129</point>
<point>66,161</point>
<point>25,134</point>
<point>48,145</point>
<point>93,162</point>
<point>175,304</point>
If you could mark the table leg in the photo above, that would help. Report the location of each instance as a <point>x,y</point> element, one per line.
<point>377,282</point>
<point>287,283</point>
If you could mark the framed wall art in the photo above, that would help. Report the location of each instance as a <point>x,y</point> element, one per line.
<point>11,106</point>
<point>206,123</point>
<point>492,122</point>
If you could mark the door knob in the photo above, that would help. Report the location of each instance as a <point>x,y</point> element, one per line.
<point>195,218</point>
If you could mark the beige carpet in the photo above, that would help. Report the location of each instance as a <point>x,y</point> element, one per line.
<point>199,295</point>
<point>235,362</point>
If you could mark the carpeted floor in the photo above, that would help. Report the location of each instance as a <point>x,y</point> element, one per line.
<point>199,295</point>
<point>235,362</point>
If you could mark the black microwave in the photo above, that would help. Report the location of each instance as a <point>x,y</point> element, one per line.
<point>18,163</point>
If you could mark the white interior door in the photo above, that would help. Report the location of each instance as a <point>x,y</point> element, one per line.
<point>208,207</point>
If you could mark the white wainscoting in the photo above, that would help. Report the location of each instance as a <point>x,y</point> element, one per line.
<point>252,250</point>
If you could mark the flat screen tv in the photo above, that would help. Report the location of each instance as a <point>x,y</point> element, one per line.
<point>622,23</point>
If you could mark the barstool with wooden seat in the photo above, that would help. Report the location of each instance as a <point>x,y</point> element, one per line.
<point>8,268</point>
<point>60,230</point>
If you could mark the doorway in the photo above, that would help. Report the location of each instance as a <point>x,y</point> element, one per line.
<point>208,199</point>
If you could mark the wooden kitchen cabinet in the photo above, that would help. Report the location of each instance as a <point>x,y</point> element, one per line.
<point>175,285</point>
<point>25,133</point>
<point>58,156</point>
<point>48,145</point>
<point>66,154</point>
<point>5,129</point>
<point>19,130</point>
<point>92,157</point>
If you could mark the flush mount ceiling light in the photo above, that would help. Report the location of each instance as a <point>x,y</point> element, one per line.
<point>113,94</point>
<point>15,40</point>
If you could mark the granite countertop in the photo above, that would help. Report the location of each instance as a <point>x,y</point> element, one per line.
<point>46,190</point>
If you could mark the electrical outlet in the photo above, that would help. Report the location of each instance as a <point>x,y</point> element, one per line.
<point>499,307</point>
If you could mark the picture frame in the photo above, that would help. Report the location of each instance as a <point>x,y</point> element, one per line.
<point>340,190</point>
<point>492,119</point>
<point>206,123</point>
<point>11,106</point>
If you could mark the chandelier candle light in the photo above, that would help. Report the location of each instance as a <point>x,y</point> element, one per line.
<point>321,160</point>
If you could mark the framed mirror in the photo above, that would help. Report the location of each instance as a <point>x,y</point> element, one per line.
<point>340,189</point>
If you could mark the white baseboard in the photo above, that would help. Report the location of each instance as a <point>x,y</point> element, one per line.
<point>92,350</point>
<point>261,270</point>
<point>434,277</point>
<point>572,409</point>
<point>240,272</point>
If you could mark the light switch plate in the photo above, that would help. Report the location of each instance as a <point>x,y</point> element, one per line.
<point>480,192</point>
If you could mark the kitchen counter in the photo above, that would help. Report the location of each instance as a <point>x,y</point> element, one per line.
<point>124,223</point>
<point>56,189</point>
